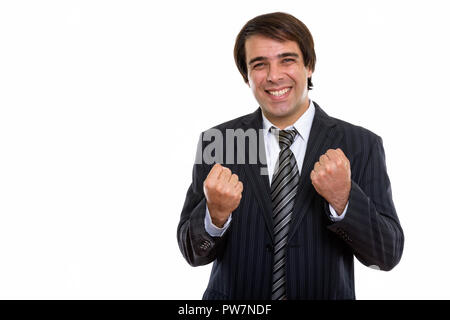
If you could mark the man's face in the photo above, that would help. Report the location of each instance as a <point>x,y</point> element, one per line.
<point>278,78</point>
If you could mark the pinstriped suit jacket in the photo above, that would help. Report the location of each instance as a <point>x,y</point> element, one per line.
<point>319,255</point>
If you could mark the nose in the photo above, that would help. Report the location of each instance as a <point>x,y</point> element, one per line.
<point>274,74</point>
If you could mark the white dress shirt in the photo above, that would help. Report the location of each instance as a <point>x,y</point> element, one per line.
<point>298,148</point>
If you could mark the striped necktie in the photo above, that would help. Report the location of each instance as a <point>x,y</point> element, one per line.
<point>283,190</point>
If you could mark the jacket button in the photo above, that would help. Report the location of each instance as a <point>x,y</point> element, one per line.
<point>205,245</point>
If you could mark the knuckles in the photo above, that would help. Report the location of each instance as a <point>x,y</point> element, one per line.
<point>226,170</point>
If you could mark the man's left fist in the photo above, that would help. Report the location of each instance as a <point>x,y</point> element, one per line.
<point>331,177</point>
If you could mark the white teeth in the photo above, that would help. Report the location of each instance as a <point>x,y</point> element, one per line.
<point>279,93</point>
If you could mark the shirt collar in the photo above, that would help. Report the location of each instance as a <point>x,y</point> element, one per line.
<point>302,125</point>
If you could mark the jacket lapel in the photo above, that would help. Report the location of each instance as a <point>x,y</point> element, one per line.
<point>260,182</point>
<point>322,137</point>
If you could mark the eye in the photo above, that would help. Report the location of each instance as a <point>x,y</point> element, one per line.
<point>258,65</point>
<point>287,60</point>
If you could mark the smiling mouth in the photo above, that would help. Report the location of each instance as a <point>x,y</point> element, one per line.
<point>278,93</point>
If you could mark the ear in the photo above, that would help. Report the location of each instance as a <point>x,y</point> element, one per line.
<point>309,72</point>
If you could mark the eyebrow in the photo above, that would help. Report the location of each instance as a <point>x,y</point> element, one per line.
<point>281,55</point>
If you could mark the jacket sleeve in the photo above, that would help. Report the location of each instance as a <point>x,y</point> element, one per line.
<point>196,245</point>
<point>371,226</point>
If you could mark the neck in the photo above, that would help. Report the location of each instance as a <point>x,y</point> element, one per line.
<point>286,121</point>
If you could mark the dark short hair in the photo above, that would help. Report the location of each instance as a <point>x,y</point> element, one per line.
<point>278,26</point>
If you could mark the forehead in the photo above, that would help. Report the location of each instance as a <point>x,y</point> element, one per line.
<point>261,46</point>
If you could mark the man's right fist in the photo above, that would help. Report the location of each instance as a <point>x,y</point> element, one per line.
<point>223,192</point>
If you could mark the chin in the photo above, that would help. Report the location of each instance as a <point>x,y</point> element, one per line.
<point>280,112</point>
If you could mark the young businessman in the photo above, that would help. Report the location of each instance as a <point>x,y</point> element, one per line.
<point>288,225</point>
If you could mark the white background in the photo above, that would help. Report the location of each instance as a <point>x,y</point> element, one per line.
<point>102,102</point>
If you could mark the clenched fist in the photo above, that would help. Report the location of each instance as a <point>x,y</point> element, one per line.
<point>223,192</point>
<point>331,177</point>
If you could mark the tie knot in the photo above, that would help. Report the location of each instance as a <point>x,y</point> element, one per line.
<point>285,137</point>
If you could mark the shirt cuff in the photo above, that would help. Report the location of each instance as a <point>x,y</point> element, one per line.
<point>334,216</point>
<point>212,230</point>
